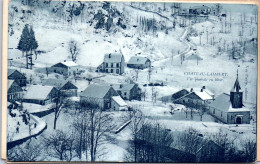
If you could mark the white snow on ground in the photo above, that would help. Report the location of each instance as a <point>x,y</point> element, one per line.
<point>36,108</point>
<point>164,50</point>
<point>23,131</point>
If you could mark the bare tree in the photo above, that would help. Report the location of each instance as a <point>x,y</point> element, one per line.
<point>152,144</point>
<point>29,151</point>
<point>59,145</point>
<point>74,49</point>
<point>100,125</point>
<point>144,94</point>
<point>189,141</point>
<point>137,122</point>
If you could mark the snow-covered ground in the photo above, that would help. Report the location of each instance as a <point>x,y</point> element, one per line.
<point>165,50</point>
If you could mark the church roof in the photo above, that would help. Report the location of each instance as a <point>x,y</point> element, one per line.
<point>223,103</point>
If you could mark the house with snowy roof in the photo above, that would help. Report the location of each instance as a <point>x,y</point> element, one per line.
<point>139,62</point>
<point>100,95</point>
<point>39,94</point>
<point>191,96</point>
<point>19,78</point>
<point>66,68</point>
<point>14,91</point>
<point>128,91</point>
<point>229,108</point>
<point>66,88</point>
<point>113,63</point>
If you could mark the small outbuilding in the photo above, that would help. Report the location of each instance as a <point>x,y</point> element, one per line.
<point>118,104</point>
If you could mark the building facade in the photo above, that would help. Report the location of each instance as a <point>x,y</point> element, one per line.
<point>139,62</point>
<point>66,68</point>
<point>14,91</point>
<point>113,63</point>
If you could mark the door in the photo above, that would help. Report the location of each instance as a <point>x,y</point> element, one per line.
<point>239,120</point>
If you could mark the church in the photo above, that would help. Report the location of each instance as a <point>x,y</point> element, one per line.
<point>229,108</point>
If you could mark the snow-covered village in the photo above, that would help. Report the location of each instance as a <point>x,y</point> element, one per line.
<point>131,81</point>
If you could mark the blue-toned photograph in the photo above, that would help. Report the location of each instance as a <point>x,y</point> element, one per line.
<point>131,81</point>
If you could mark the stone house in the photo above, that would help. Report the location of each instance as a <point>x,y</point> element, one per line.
<point>100,95</point>
<point>66,68</point>
<point>113,63</point>
<point>128,91</point>
<point>189,96</point>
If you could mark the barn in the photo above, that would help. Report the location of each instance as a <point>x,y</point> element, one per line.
<point>39,94</point>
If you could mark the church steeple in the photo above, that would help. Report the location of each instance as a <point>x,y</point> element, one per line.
<point>236,95</point>
<point>237,87</point>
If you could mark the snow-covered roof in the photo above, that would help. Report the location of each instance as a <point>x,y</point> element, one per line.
<point>137,60</point>
<point>96,91</point>
<point>58,83</point>
<point>203,95</point>
<point>119,101</point>
<point>69,63</point>
<point>223,103</point>
<point>113,58</point>
<point>37,92</point>
<point>10,71</point>
<point>124,87</point>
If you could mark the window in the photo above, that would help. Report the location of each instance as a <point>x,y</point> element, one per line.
<point>106,70</point>
<point>117,65</point>
<point>112,71</point>
<point>112,65</point>
<point>117,71</point>
<point>214,111</point>
<point>125,93</point>
<point>106,64</point>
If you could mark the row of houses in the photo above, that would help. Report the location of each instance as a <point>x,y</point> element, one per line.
<point>228,108</point>
<point>115,63</point>
<point>106,96</point>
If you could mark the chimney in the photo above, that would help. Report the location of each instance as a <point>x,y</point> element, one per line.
<point>64,60</point>
<point>201,90</point>
<point>203,87</point>
<point>109,55</point>
<point>191,90</point>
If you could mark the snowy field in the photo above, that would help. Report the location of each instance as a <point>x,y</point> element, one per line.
<point>165,50</point>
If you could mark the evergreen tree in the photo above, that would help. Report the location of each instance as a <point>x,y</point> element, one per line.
<point>24,43</point>
<point>34,43</point>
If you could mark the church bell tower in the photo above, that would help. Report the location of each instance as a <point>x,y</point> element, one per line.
<point>236,95</point>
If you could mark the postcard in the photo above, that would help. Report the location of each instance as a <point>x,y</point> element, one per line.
<point>131,81</point>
